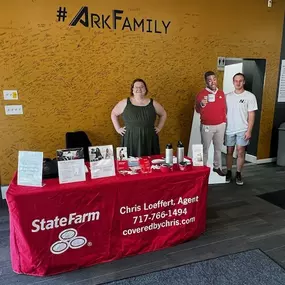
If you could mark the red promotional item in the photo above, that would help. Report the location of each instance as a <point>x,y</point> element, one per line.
<point>59,228</point>
<point>122,165</point>
<point>145,165</point>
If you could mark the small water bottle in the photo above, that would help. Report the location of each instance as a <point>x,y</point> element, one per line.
<point>180,152</point>
<point>169,154</point>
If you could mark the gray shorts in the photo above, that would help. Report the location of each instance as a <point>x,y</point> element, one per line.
<point>236,139</point>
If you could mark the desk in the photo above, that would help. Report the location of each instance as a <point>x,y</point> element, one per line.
<point>59,228</point>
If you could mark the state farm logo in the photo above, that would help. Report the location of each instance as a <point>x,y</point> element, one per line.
<point>68,239</point>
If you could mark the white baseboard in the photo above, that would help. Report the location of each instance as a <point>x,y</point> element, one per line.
<point>3,191</point>
<point>250,158</point>
<point>266,160</point>
<point>253,159</point>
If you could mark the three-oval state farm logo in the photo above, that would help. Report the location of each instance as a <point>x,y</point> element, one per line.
<point>68,239</point>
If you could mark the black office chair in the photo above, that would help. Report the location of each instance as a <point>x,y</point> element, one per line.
<point>78,139</point>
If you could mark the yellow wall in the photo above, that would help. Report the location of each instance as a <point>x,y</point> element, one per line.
<point>69,78</point>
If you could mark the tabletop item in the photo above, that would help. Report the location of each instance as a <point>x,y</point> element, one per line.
<point>145,165</point>
<point>197,153</point>
<point>133,161</point>
<point>169,154</point>
<point>71,165</point>
<point>157,161</point>
<point>164,168</point>
<point>30,168</point>
<point>180,152</point>
<point>182,165</point>
<point>102,162</point>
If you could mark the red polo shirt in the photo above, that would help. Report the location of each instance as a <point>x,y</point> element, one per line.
<point>214,113</point>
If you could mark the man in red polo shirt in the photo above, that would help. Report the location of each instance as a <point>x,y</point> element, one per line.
<point>211,105</point>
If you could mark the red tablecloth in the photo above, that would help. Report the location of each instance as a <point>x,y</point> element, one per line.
<point>59,228</point>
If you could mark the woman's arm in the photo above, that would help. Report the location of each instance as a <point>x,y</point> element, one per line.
<point>116,112</point>
<point>162,116</point>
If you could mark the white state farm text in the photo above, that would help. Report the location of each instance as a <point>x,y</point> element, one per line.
<point>73,218</point>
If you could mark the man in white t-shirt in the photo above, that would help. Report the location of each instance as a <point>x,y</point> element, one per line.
<point>241,107</point>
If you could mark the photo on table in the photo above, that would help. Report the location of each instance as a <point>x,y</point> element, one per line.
<point>101,161</point>
<point>97,153</point>
<point>70,154</point>
<point>122,153</point>
<point>71,165</point>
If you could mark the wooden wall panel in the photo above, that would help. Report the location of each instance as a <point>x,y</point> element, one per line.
<point>69,78</point>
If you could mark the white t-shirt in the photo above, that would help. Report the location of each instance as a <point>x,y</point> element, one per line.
<point>238,106</point>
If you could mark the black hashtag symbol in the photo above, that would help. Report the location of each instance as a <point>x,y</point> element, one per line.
<point>61,14</point>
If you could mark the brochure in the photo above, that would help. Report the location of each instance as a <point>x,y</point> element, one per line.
<point>30,168</point>
<point>101,161</point>
<point>71,165</point>
<point>197,152</point>
<point>122,159</point>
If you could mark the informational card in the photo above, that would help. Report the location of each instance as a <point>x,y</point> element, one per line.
<point>30,168</point>
<point>197,154</point>
<point>122,159</point>
<point>101,161</point>
<point>71,165</point>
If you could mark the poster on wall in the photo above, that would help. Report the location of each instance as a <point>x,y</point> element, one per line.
<point>30,168</point>
<point>281,91</point>
<point>71,165</point>
<point>101,161</point>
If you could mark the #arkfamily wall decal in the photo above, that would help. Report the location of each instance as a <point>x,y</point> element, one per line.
<point>116,20</point>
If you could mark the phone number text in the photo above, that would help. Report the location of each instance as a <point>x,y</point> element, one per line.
<point>159,215</point>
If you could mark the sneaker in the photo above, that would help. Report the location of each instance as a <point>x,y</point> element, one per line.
<point>219,171</point>
<point>229,176</point>
<point>239,180</point>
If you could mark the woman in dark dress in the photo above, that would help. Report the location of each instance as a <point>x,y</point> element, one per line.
<point>139,113</point>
